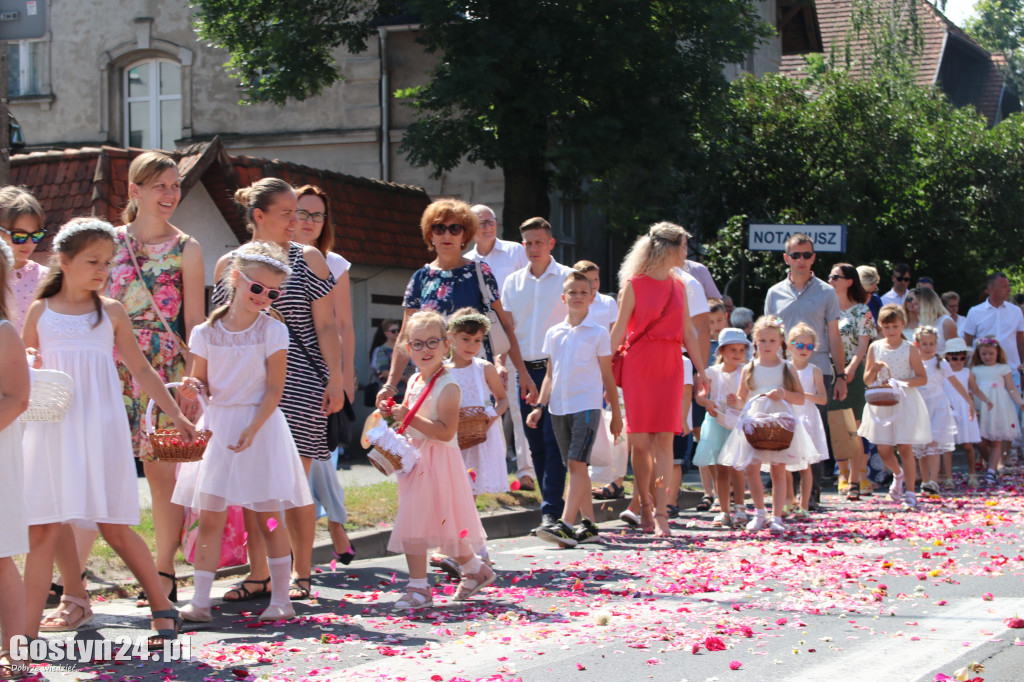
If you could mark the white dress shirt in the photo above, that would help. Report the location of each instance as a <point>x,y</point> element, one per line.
<point>604,310</point>
<point>1003,323</point>
<point>505,258</point>
<point>536,305</point>
<point>892,297</point>
<point>576,384</point>
<point>696,301</point>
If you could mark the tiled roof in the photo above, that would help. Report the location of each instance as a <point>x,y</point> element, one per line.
<point>376,223</point>
<point>834,19</point>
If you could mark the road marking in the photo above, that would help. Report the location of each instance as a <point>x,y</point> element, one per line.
<point>904,659</point>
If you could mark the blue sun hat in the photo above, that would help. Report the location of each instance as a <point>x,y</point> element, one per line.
<point>732,335</point>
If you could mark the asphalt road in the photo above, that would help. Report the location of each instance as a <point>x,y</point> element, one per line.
<point>862,592</point>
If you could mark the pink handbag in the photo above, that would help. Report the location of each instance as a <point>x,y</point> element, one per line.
<point>232,541</point>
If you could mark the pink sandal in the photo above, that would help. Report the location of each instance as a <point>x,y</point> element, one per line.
<point>60,620</point>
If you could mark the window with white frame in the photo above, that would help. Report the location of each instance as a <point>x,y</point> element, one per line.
<point>26,61</point>
<point>152,104</point>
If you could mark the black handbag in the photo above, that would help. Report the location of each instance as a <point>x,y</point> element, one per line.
<point>337,422</point>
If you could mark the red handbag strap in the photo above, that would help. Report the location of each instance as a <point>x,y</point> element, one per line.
<point>419,401</point>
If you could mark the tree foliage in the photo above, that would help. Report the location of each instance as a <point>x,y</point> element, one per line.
<point>999,26</point>
<point>583,96</point>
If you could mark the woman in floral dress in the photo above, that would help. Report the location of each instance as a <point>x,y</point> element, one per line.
<point>171,264</point>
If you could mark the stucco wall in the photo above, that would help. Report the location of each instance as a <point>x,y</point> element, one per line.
<point>198,216</point>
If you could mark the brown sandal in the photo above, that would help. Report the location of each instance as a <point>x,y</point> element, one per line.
<point>11,669</point>
<point>60,620</point>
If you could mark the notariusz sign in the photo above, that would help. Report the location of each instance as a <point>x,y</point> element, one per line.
<point>827,238</point>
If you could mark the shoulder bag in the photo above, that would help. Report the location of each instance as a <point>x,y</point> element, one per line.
<point>620,353</point>
<point>182,346</point>
<point>336,421</point>
<point>500,343</point>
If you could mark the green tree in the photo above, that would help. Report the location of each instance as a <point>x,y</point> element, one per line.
<point>594,96</point>
<point>999,27</point>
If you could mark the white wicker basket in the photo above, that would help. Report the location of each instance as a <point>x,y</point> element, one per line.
<point>50,398</point>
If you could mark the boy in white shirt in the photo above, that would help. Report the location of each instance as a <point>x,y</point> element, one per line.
<point>579,373</point>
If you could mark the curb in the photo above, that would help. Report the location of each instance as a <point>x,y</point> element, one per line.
<point>372,544</point>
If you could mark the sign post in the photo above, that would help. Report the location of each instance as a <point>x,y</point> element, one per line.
<point>827,238</point>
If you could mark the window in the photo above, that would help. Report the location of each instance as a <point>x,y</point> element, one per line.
<point>152,104</point>
<point>26,61</point>
<point>570,218</point>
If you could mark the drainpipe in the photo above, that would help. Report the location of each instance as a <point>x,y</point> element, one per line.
<point>385,129</point>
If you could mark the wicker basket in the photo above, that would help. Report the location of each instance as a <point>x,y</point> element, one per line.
<point>50,397</point>
<point>472,426</point>
<point>392,453</point>
<point>768,436</point>
<point>168,445</point>
<point>387,462</point>
<point>881,395</point>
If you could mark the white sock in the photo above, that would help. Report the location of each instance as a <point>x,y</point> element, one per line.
<point>761,512</point>
<point>471,566</point>
<point>280,578</point>
<point>421,583</point>
<point>203,581</point>
<point>777,519</point>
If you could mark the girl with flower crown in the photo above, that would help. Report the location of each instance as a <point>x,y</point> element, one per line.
<point>997,420</point>
<point>241,360</point>
<point>83,472</point>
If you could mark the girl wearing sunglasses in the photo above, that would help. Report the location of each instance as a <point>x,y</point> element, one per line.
<point>21,226</point>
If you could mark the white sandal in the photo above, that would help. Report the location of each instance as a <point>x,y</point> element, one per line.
<point>415,598</point>
<point>474,582</point>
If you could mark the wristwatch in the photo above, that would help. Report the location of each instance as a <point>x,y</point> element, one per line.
<point>841,376</point>
<point>539,406</point>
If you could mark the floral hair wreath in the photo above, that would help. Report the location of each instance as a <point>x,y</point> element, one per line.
<point>988,341</point>
<point>267,260</point>
<point>476,318</point>
<point>8,254</point>
<point>90,225</point>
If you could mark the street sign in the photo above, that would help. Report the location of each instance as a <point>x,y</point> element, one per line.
<point>22,19</point>
<point>827,238</point>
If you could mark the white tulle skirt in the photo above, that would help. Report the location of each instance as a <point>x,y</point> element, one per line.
<point>943,426</point>
<point>905,423</point>
<point>738,453</point>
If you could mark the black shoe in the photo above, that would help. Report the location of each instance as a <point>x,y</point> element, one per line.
<point>673,511</point>
<point>545,521</point>
<point>587,532</point>
<point>559,533</point>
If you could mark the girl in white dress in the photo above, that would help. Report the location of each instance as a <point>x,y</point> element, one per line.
<point>719,422</point>
<point>241,356</point>
<point>83,470</point>
<point>14,392</point>
<point>940,412</point>
<point>997,420</point>
<point>768,379</point>
<point>896,428</point>
<point>802,340</point>
<point>966,418</point>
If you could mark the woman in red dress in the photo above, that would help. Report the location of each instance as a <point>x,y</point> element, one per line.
<point>654,319</point>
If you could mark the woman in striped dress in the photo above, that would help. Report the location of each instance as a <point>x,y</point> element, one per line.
<point>307,307</point>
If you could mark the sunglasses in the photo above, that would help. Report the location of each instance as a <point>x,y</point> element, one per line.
<point>22,237</point>
<point>956,357</point>
<point>431,343</point>
<point>439,229</point>
<point>902,279</point>
<point>304,215</point>
<point>797,255</point>
<point>256,288</point>
<point>391,331</point>
<point>802,346</point>
<point>833,278</point>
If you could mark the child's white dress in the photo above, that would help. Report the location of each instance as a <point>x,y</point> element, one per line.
<point>811,416</point>
<point>999,423</point>
<point>714,431</point>
<point>435,503</point>
<point>737,451</point>
<point>81,470</point>
<point>966,428</point>
<point>268,475</point>
<point>14,529</point>
<point>905,423</point>
<point>940,413</point>
<point>487,460</point>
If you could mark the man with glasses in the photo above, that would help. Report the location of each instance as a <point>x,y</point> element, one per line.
<point>802,297</point>
<point>533,296</point>
<point>504,258</point>
<point>900,283</point>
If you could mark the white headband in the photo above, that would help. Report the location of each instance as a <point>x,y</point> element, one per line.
<point>8,253</point>
<point>92,225</point>
<point>260,258</point>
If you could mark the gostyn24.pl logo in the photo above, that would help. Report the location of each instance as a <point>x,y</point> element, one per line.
<point>80,650</point>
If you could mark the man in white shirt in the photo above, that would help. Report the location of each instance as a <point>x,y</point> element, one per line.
<point>900,282</point>
<point>533,296</point>
<point>504,258</point>
<point>997,316</point>
<point>603,308</point>
<point>700,272</point>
